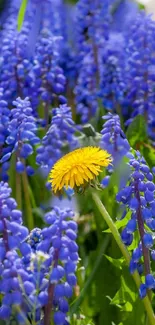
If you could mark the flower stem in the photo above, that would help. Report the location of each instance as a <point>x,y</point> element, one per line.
<point>18,191</point>
<point>5,235</point>
<point>49,306</point>
<point>145,250</point>
<point>136,277</point>
<point>46,115</point>
<point>29,219</point>
<point>76,304</point>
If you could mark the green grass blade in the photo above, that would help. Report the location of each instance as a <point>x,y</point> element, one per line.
<point>79,300</point>
<point>21,14</point>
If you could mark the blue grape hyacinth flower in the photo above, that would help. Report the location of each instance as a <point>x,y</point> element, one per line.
<point>21,138</point>
<point>137,199</point>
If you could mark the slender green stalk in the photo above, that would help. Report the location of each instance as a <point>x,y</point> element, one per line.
<point>115,233</point>
<point>85,289</point>
<point>33,203</point>
<point>18,191</point>
<point>18,310</point>
<point>29,215</point>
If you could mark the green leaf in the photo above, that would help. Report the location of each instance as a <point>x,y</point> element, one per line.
<point>71,1</point>
<point>107,283</point>
<point>124,296</point>
<point>136,132</point>
<point>128,302</point>
<point>141,6</point>
<point>21,14</point>
<point>149,155</point>
<point>117,262</point>
<point>120,223</point>
<point>88,282</point>
<point>137,316</point>
<point>80,320</point>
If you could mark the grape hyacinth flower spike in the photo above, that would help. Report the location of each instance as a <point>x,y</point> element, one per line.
<point>60,134</point>
<point>22,136</point>
<point>138,199</point>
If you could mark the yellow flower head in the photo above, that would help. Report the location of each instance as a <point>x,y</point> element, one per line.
<point>78,167</point>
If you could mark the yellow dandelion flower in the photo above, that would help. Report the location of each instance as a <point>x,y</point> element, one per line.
<point>78,167</point>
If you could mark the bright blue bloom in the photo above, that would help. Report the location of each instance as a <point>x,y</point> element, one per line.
<point>142,291</point>
<point>47,75</point>
<point>21,136</point>
<point>127,9</point>
<point>140,68</point>
<point>86,88</point>
<point>148,240</point>
<point>11,229</point>
<point>114,141</point>
<point>4,118</point>
<point>92,28</point>
<point>53,244</point>
<point>59,240</point>
<point>113,138</point>
<point>137,197</point>
<point>15,65</point>
<point>59,135</point>
<point>150,281</point>
<point>112,85</point>
<point>34,238</point>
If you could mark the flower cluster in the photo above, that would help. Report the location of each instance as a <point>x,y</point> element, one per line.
<point>137,199</point>
<point>15,65</point>
<point>41,278</point>
<point>85,89</point>
<point>140,68</point>
<point>21,136</point>
<point>11,228</point>
<point>4,119</point>
<point>59,241</point>
<point>112,86</point>
<point>113,138</point>
<point>48,78</point>
<point>60,135</point>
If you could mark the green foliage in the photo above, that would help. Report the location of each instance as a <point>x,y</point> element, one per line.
<point>141,6</point>
<point>2,4</point>
<point>21,14</point>
<point>126,298</point>
<point>136,132</point>
<point>71,1</point>
<point>80,320</point>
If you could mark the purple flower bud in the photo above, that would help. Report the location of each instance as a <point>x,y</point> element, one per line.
<point>63,305</point>
<point>137,254</point>
<point>43,298</point>
<point>149,196</point>
<point>29,287</point>
<point>30,171</point>
<point>126,237</point>
<point>68,290</point>
<point>148,240</point>
<point>20,167</point>
<point>153,254</point>
<point>142,291</point>
<point>71,279</point>
<point>59,318</point>
<point>132,266</point>
<point>5,312</point>
<point>59,291</point>
<point>131,226</point>
<point>149,281</point>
